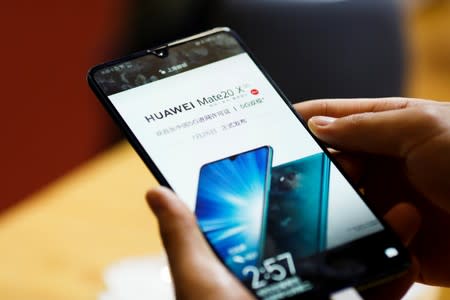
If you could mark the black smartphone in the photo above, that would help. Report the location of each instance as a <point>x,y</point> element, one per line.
<point>231,207</point>
<point>204,98</point>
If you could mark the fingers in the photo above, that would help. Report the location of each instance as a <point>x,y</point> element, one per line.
<point>405,220</point>
<point>343,107</point>
<point>392,133</point>
<point>186,247</point>
<point>175,220</point>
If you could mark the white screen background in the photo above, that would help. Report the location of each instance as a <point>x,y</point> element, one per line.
<point>179,157</point>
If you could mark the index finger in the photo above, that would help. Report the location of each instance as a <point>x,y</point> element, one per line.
<point>343,107</point>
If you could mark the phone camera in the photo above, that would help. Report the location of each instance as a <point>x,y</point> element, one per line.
<point>161,52</point>
<point>287,182</point>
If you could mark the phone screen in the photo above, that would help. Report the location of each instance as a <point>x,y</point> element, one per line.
<point>189,111</point>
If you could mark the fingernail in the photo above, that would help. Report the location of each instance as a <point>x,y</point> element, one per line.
<point>321,121</point>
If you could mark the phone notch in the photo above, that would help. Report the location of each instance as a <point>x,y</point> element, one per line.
<point>160,52</point>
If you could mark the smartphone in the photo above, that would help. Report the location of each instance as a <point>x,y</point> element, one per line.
<point>231,207</point>
<point>297,213</point>
<point>203,98</point>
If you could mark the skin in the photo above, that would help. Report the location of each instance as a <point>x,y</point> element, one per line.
<point>396,150</point>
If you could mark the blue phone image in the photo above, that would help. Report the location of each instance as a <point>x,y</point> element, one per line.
<point>231,206</point>
<point>298,206</point>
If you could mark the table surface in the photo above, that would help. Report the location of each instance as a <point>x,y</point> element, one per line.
<point>57,243</point>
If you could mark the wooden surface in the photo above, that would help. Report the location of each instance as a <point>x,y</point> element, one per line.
<point>57,243</point>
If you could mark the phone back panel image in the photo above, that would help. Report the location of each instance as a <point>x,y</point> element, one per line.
<point>298,203</point>
<point>231,205</point>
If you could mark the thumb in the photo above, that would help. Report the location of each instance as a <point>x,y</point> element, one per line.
<point>393,133</point>
<point>177,225</point>
<point>187,249</point>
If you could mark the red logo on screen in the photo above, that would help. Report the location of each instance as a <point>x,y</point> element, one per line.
<point>254,92</point>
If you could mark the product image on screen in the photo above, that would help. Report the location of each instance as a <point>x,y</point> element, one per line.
<point>231,205</point>
<point>298,205</point>
<point>269,198</point>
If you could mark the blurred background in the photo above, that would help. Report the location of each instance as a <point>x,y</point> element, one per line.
<point>51,122</point>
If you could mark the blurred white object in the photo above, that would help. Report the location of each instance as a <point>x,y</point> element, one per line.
<point>421,291</point>
<point>138,278</point>
<point>346,294</point>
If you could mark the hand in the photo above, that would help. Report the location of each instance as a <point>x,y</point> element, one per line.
<point>198,274</point>
<point>196,271</point>
<point>396,150</point>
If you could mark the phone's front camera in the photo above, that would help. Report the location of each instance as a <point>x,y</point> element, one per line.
<point>161,52</point>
